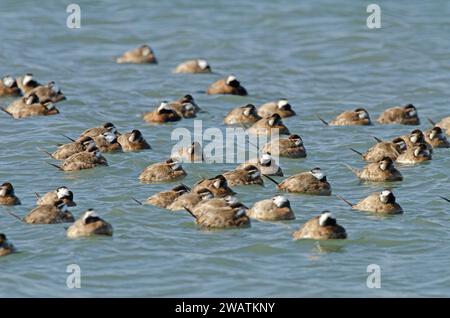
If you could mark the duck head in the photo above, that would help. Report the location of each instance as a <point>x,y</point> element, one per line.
<point>6,189</point>
<point>410,111</point>
<point>135,136</point>
<point>327,219</point>
<point>386,196</point>
<point>281,201</point>
<point>386,164</point>
<point>319,174</point>
<point>362,113</point>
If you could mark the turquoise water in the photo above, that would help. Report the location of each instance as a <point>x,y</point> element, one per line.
<point>319,55</point>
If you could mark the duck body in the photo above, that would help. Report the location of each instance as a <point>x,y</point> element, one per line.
<point>373,204</point>
<point>436,138</point>
<point>167,171</point>
<point>275,209</point>
<point>248,175</point>
<point>243,115</point>
<point>268,126</point>
<point>404,115</point>
<point>89,224</point>
<point>6,247</point>
<point>140,55</point>
<point>165,198</point>
<point>357,117</point>
<point>65,151</point>
<point>7,195</point>
<point>218,186</point>
<point>383,171</point>
<point>291,147</point>
<point>229,85</point>
<point>48,214</point>
<point>133,141</point>
<point>8,87</point>
<point>319,229</point>
<point>307,183</point>
<point>280,107</point>
<point>193,67</point>
<point>83,160</point>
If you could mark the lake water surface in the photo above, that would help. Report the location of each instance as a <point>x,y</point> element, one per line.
<point>318,54</point>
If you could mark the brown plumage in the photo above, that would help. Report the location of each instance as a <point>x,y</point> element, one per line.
<point>89,224</point>
<point>97,131</point>
<point>167,171</point>
<point>245,176</point>
<point>185,107</point>
<point>405,115</point>
<point>311,182</point>
<point>322,227</point>
<point>49,214</point>
<point>189,200</point>
<point>382,171</point>
<point>88,159</point>
<point>280,107</point>
<point>162,114</point>
<point>47,93</point>
<point>229,85</point>
<point>107,142</point>
<point>26,83</point>
<point>193,66</point>
<point>141,55</point>
<point>436,138</point>
<point>218,186</point>
<point>269,125</point>
<point>276,209</point>
<point>415,138</point>
<point>193,153</point>
<point>133,141</point>
<point>357,117</point>
<point>6,247</point>
<point>444,124</point>
<point>383,149</point>
<point>8,87</point>
<point>65,151</point>
<point>61,193</point>
<point>243,115</point>
<point>30,106</point>
<point>266,164</point>
<point>383,202</point>
<point>7,195</point>
<point>415,155</point>
<point>290,147</point>
<point>233,216</point>
<point>165,198</point>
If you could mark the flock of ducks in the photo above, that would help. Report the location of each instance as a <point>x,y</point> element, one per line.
<point>212,202</point>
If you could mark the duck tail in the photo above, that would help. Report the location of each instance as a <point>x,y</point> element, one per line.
<point>254,145</point>
<point>38,196</point>
<point>15,216</point>
<point>56,166</point>
<point>431,121</point>
<point>190,212</point>
<point>377,139</point>
<point>322,120</point>
<point>356,151</point>
<point>45,152</point>
<point>137,201</point>
<point>72,140</point>
<point>271,179</point>
<point>3,109</point>
<point>444,198</point>
<point>354,170</point>
<point>346,201</point>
